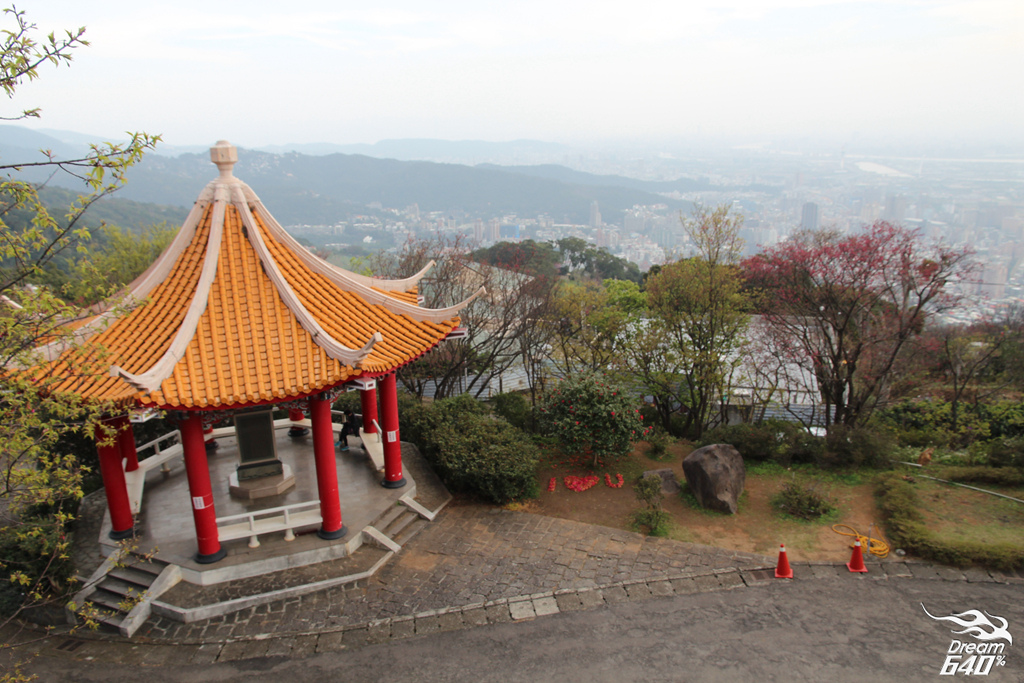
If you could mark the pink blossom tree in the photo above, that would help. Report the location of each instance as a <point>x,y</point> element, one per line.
<point>844,306</point>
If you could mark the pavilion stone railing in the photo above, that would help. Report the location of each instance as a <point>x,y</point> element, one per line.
<point>286,518</point>
<point>163,453</point>
<point>168,447</point>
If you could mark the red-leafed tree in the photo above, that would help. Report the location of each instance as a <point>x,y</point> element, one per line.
<point>843,306</point>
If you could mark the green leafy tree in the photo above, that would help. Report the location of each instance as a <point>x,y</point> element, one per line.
<point>595,415</point>
<point>39,484</point>
<point>588,322</point>
<point>689,349</point>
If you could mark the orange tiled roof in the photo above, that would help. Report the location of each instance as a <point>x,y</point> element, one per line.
<point>237,312</point>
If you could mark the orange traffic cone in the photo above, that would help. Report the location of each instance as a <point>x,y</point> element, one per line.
<point>856,563</point>
<point>783,570</point>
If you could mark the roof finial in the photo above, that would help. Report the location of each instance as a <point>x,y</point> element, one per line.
<point>225,155</point>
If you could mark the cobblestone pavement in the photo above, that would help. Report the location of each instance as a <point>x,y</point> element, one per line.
<point>81,647</point>
<point>470,555</point>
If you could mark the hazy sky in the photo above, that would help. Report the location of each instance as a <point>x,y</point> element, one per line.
<point>259,72</point>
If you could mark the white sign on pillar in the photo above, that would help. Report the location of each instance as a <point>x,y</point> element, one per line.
<point>199,502</point>
<point>393,436</point>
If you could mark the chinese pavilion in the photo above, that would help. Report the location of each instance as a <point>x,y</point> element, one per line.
<point>234,315</point>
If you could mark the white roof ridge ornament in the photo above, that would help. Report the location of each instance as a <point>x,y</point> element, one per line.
<point>225,156</point>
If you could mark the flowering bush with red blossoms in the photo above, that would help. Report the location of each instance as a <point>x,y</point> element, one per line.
<point>580,484</point>
<point>595,415</point>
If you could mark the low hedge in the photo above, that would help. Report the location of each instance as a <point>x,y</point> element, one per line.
<point>906,529</point>
<point>999,476</point>
<point>472,451</point>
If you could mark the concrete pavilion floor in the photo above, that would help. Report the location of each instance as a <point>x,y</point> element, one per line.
<point>166,528</point>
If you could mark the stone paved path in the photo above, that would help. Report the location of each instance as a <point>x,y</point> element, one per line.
<point>469,556</point>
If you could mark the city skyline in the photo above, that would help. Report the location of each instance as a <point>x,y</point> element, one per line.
<point>744,71</point>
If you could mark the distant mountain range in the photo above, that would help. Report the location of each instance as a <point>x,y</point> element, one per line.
<point>304,188</point>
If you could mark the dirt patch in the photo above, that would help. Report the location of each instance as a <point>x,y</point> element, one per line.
<point>756,528</point>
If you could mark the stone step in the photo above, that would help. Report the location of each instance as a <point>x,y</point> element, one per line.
<point>109,619</point>
<point>135,575</point>
<point>406,535</point>
<point>108,600</point>
<point>125,589</point>
<point>401,522</point>
<point>388,516</point>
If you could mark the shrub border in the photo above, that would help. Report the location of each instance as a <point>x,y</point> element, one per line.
<point>906,529</point>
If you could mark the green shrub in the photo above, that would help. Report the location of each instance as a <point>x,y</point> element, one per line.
<point>651,519</point>
<point>803,502</point>
<point>772,440</point>
<point>472,451</point>
<point>1007,452</point>
<point>856,447</point>
<point>593,414</point>
<point>906,529</point>
<point>660,442</point>
<point>652,522</point>
<point>37,551</point>
<point>516,410</point>
<point>478,454</point>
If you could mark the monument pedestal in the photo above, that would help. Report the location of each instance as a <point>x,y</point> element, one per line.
<point>261,487</point>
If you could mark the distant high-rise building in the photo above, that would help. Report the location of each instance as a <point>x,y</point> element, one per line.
<point>809,217</point>
<point>895,208</point>
<point>595,215</point>
<point>478,231</point>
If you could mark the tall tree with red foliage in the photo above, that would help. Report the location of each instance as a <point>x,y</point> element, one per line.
<point>844,306</point>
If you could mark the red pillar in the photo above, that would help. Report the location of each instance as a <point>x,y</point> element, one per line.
<point>197,470</point>
<point>126,442</point>
<point>393,478</point>
<point>121,523</point>
<point>326,468</point>
<point>368,399</point>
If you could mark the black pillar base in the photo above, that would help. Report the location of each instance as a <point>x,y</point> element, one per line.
<point>212,557</point>
<point>332,535</point>
<point>296,432</point>
<point>397,484</point>
<point>121,535</point>
<point>212,446</point>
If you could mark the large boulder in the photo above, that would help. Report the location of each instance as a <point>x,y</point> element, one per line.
<point>715,475</point>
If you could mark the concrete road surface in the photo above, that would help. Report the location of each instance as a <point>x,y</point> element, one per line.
<point>830,630</point>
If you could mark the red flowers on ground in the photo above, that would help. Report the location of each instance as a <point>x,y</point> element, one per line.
<point>617,485</point>
<point>552,484</point>
<point>580,484</point>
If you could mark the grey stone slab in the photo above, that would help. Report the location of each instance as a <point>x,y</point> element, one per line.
<point>475,617</point>
<point>731,580</point>
<point>638,591</point>
<point>660,588</point>
<point>922,571</point>
<point>545,606</point>
<point>331,642</point>
<point>614,594</point>
<point>403,629</point>
<point>355,637</point>
<point>569,602</point>
<point>427,625</point>
<point>450,622</point>
<point>232,652</point>
<point>378,633</point>
<point>498,614</point>
<point>591,599</point>
<point>304,646</point>
<point>280,647</point>
<point>950,573</point>
<point>684,586</point>
<point>977,575</point>
<point>206,653</point>
<point>521,610</point>
<point>825,571</point>
<point>707,583</point>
